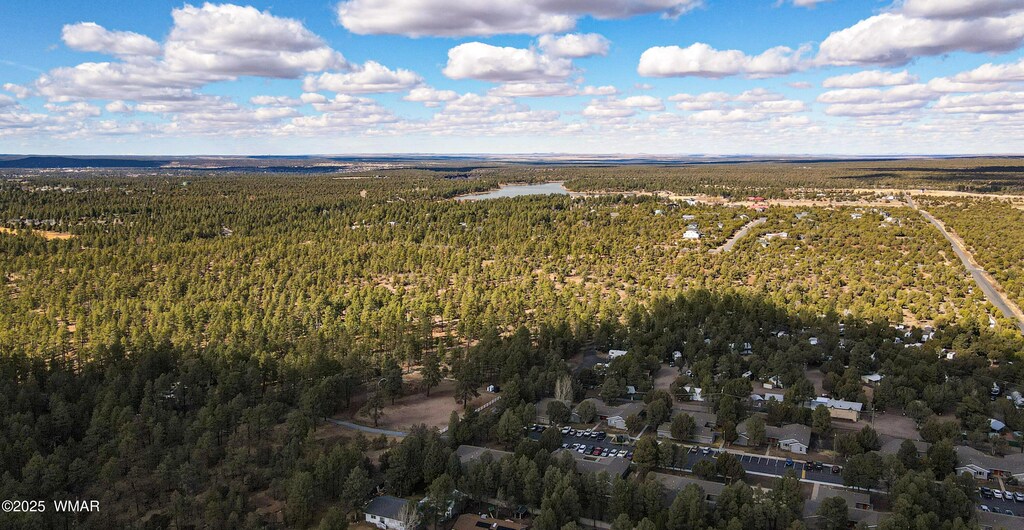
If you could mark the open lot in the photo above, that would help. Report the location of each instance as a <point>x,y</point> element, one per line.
<point>415,408</point>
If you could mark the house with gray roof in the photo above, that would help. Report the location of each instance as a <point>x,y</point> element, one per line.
<point>795,438</point>
<point>390,513</point>
<point>983,466</point>
<point>674,484</point>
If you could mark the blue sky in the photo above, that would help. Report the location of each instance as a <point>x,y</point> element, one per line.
<point>513,76</point>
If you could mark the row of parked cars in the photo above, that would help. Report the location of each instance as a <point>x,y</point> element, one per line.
<point>589,433</point>
<point>585,449</point>
<point>988,493</point>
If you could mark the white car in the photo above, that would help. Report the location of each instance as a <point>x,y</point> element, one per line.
<point>984,508</point>
<point>997,494</point>
<point>622,453</point>
<point>1019,497</point>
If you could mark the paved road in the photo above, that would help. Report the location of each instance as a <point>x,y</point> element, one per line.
<point>981,277</point>
<point>739,235</point>
<point>370,430</point>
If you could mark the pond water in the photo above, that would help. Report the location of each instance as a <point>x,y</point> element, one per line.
<point>519,190</point>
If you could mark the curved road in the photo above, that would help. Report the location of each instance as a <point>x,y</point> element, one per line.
<point>988,284</point>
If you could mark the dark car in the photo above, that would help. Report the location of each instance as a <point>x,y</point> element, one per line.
<point>789,462</point>
<point>596,451</point>
<point>601,435</point>
<point>837,469</point>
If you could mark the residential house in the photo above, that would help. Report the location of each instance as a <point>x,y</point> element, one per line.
<point>854,499</point>
<point>542,410</point>
<point>615,354</point>
<point>614,416</point>
<point>838,408</point>
<point>760,401</point>
<point>982,465</point>
<point>693,393</point>
<point>794,437</point>
<point>893,447</point>
<point>691,234</point>
<point>704,433</point>
<point>390,513</point>
<point>674,484</point>
<point>871,379</point>
<point>585,463</point>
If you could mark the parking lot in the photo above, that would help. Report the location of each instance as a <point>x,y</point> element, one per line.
<point>770,466</point>
<point>762,465</point>
<point>590,442</point>
<point>1003,505</point>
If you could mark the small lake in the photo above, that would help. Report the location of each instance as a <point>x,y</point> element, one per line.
<point>519,190</point>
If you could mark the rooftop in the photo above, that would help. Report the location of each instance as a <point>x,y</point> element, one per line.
<point>386,506</point>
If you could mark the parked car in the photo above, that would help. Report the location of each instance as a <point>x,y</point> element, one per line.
<point>629,455</point>
<point>705,450</point>
<point>622,453</point>
<point>837,469</point>
<point>997,493</point>
<point>602,435</point>
<point>985,493</point>
<point>984,508</point>
<point>817,466</point>
<point>1007,495</point>
<point>694,449</point>
<point>1008,512</point>
<point>1019,497</point>
<point>565,431</point>
<point>789,462</point>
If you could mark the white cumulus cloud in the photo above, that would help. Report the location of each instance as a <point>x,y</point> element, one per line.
<point>574,45</point>
<point>701,60</point>
<point>476,60</point>
<point>91,37</point>
<point>870,78</point>
<point>370,78</point>
<point>462,18</point>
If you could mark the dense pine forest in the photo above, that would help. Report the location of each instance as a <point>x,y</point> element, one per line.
<point>171,343</point>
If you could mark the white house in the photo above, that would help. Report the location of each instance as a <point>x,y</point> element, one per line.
<point>390,513</point>
<point>871,379</point>
<point>838,408</point>
<point>614,354</point>
<point>691,234</point>
<point>795,438</point>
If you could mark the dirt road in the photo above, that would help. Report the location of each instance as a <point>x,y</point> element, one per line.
<point>728,245</point>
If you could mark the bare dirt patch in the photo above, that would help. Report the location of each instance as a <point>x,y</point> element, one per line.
<point>45,234</point>
<point>664,378</point>
<point>416,408</point>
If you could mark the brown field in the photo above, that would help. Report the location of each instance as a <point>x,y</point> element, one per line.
<point>45,234</point>
<point>415,408</point>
